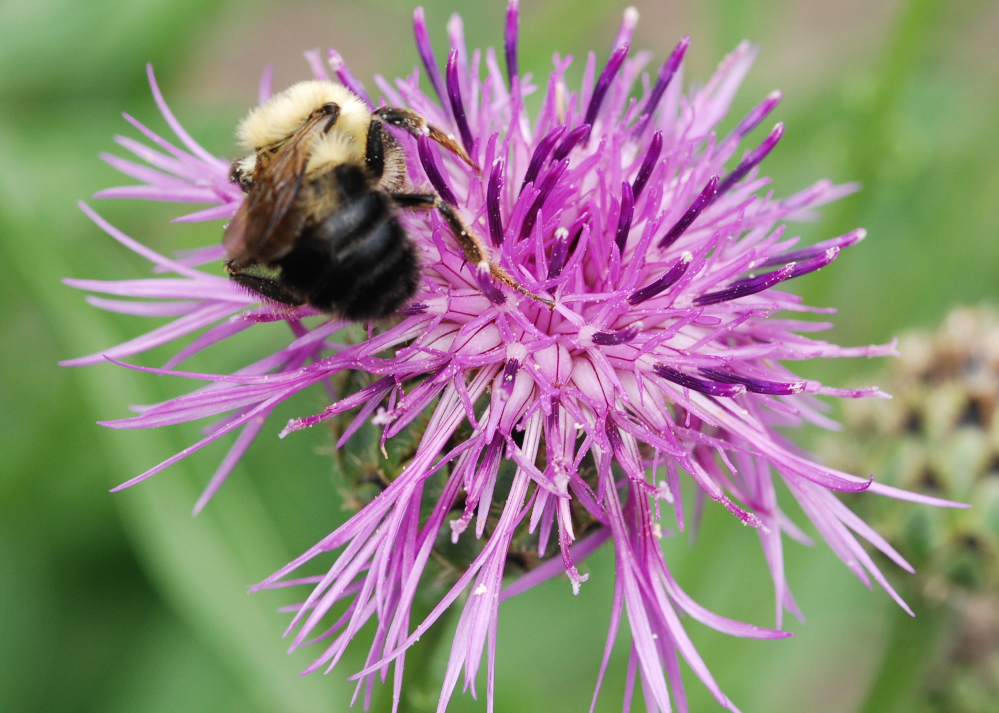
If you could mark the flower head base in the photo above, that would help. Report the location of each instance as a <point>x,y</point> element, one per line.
<point>658,353</point>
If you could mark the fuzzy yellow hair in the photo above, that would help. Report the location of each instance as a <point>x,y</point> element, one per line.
<point>284,113</point>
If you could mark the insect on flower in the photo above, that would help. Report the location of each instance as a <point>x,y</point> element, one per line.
<point>323,186</point>
<point>658,358</point>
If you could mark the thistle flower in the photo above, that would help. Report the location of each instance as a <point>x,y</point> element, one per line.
<point>659,355</point>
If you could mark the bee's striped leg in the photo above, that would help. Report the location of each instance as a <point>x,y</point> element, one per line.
<point>416,126</point>
<point>267,287</point>
<point>471,244</point>
<point>374,150</point>
<point>415,201</point>
<point>477,252</point>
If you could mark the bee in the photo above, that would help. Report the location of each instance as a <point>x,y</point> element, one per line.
<point>323,186</point>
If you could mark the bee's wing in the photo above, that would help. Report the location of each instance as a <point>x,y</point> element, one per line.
<point>264,227</point>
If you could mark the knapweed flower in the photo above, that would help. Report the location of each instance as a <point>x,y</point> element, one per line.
<point>661,256</point>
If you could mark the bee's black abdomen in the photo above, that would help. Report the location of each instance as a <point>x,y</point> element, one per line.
<point>358,262</point>
<point>382,291</point>
<point>375,271</point>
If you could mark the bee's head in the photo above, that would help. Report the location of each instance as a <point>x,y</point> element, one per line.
<point>277,119</point>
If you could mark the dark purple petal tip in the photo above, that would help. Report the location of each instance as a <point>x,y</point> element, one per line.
<point>603,84</point>
<point>509,376</point>
<point>758,114</point>
<point>613,436</point>
<point>545,187</point>
<point>663,283</point>
<point>457,106</point>
<point>666,73</point>
<point>493,203</point>
<point>510,39</point>
<point>757,386</point>
<point>429,160</point>
<point>627,213</point>
<point>485,282</point>
<point>812,264</point>
<point>694,384</point>
<point>843,241</point>
<point>649,163</point>
<point>761,151</point>
<point>747,286</point>
<point>751,160</point>
<point>570,141</point>
<point>612,339</point>
<point>560,251</point>
<point>703,200</point>
<point>540,154</point>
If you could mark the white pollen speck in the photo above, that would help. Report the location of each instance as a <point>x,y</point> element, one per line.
<point>655,636</point>
<point>657,531</point>
<point>480,590</point>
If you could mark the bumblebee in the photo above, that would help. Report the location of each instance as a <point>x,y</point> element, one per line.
<point>323,186</point>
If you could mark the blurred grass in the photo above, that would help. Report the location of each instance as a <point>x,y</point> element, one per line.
<point>124,602</point>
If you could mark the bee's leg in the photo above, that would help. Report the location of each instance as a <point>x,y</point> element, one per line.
<point>266,287</point>
<point>374,152</point>
<point>241,172</point>
<point>475,250</point>
<point>415,201</point>
<point>417,126</point>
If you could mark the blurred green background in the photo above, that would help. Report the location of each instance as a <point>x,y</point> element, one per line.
<point>114,603</point>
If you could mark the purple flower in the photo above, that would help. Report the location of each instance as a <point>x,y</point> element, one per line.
<point>659,356</point>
